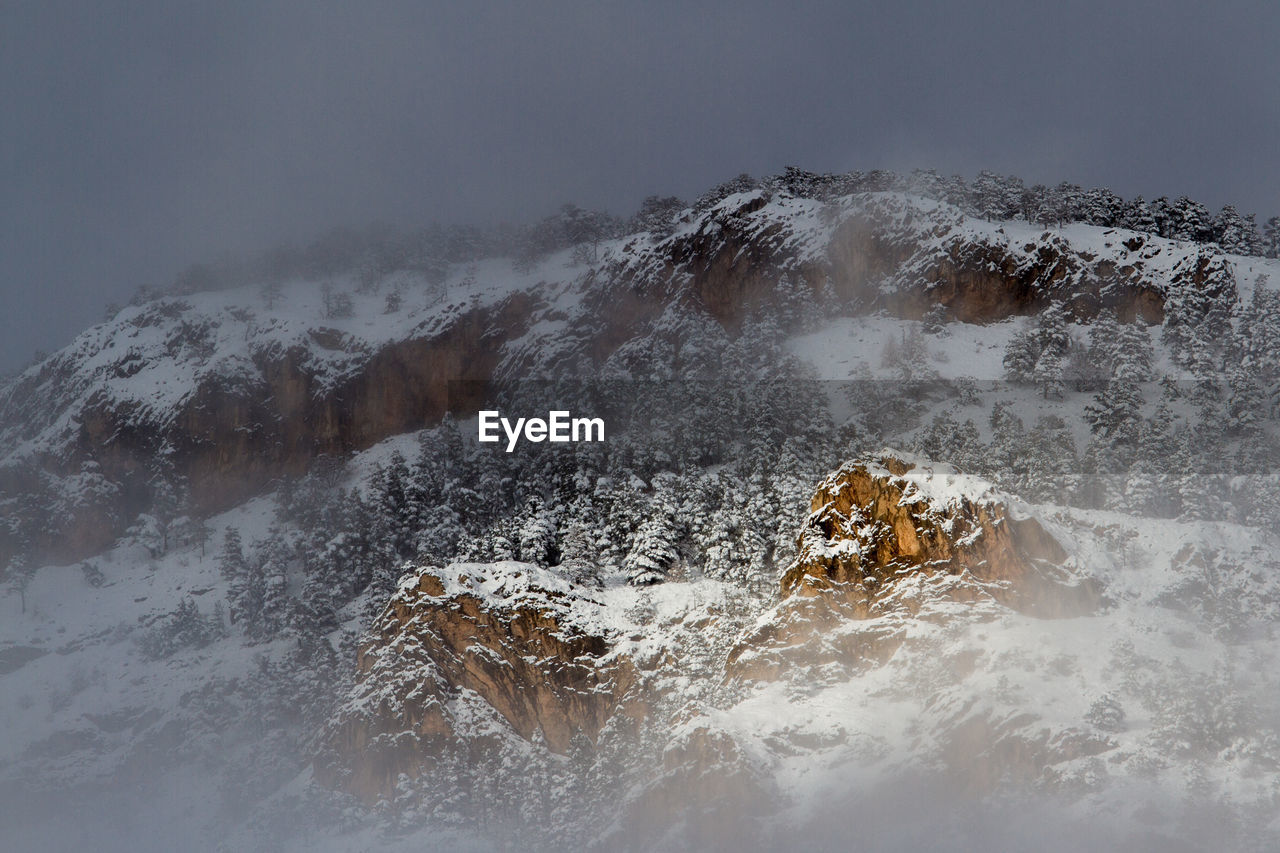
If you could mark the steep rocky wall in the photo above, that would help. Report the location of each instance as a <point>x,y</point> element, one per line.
<point>733,263</point>
<point>888,253</point>
<point>508,643</point>
<point>982,280</point>
<point>232,442</point>
<point>235,434</point>
<point>272,416</point>
<point>891,538</point>
<point>869,524</point>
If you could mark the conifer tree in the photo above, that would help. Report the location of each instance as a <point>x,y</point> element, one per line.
<point>1114,417</point>
<point>1137,216</point>
<point>1271,237</point>
<point>1190,220</point>
<point>1052,470</point>
<point>1005,458</point>
<point>653,552</point>
<point>537,535</point>
<point>234,568</point>
<point>1104,338</point>
<point>1053,343</point>
<point>1132,354</point>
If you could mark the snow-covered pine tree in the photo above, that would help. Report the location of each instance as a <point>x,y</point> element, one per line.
<point>1114,417</point>
<point>393,509</point>
<point>947,440</point>
<point>1104,338</point>
<point>934,321</point>
<point>1190,220</point>
<point>1133,354</point>
<point>1197,321</point>
<point>1049,373</point>
<point>995,197</point>
<point>1197,485</point>
<point>1271,237</point>
<point>1142,489</point>
<point>537,534</point>
<point>1235,233</point>
<point>1258,342</point>
<point>653,553</point>
<point>1053,342</point>
<point>1101,207</point>
<point>246,582</point>
<point>275,556</point>
<point>657,215</point>
<point>234,568</point>
<point>1005,461</point>
<point>1153,478</point>
<point>1137,216</point>
<point>168,498</point>
<point>1052,469</point>
<point>1081,372</point>
<point>1162,214</point>
<point>579,550</point>
<point>437,539</point>
<point>1245,406</point>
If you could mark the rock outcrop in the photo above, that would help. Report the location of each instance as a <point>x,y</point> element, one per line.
<point>474,660</point>
<point>230,401</point>
<point>893,537</point>
<point>470,654</point>
<point>878,520</point>
<point>886,251</point>
<point>905,256</point>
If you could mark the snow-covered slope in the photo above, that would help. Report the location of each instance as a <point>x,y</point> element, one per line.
<point>537,696</point>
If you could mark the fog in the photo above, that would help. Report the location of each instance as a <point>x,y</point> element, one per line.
<point>188,680</point>
<point>140,138</point>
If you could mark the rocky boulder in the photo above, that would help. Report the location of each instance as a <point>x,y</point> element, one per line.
<point>891,537</point>
<point>470,653</point>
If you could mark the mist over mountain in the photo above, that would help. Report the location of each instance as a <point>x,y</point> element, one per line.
<point>930,513</point>
<point>140,140</point>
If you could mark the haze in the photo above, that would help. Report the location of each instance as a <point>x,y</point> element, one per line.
<point>138,138</point>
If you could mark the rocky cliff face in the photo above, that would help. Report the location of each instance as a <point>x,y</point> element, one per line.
<point>216,390</point>
<point>896,537</point>
<point>477,658</point>
<point>931,256</point>
<point>877,522</point>
<point>885,251</point>
<point>461,655</point>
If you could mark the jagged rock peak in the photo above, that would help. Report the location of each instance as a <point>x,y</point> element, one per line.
<point>891,539</point>
<point>880,519</point>
<point>474,653</point>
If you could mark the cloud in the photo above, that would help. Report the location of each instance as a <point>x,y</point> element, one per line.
<point>138,139</point>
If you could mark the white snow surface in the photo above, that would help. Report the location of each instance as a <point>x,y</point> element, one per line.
<point>77,710</point>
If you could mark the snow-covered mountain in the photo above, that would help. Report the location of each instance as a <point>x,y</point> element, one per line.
<point>266,589</point>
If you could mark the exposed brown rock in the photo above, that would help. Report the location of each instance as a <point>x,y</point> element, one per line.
<point>236,434</point>
<point>508,642</point>
<point>886,538</point>
<point>232,436</point>
<point>980,281</point>
<point>870,524</point>
<point>733,263</point>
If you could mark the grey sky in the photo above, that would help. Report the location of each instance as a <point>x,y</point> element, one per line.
<point>137,138</point>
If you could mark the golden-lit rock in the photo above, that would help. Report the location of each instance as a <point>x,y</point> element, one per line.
<point>470,653</point>
<point>892,537</point>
